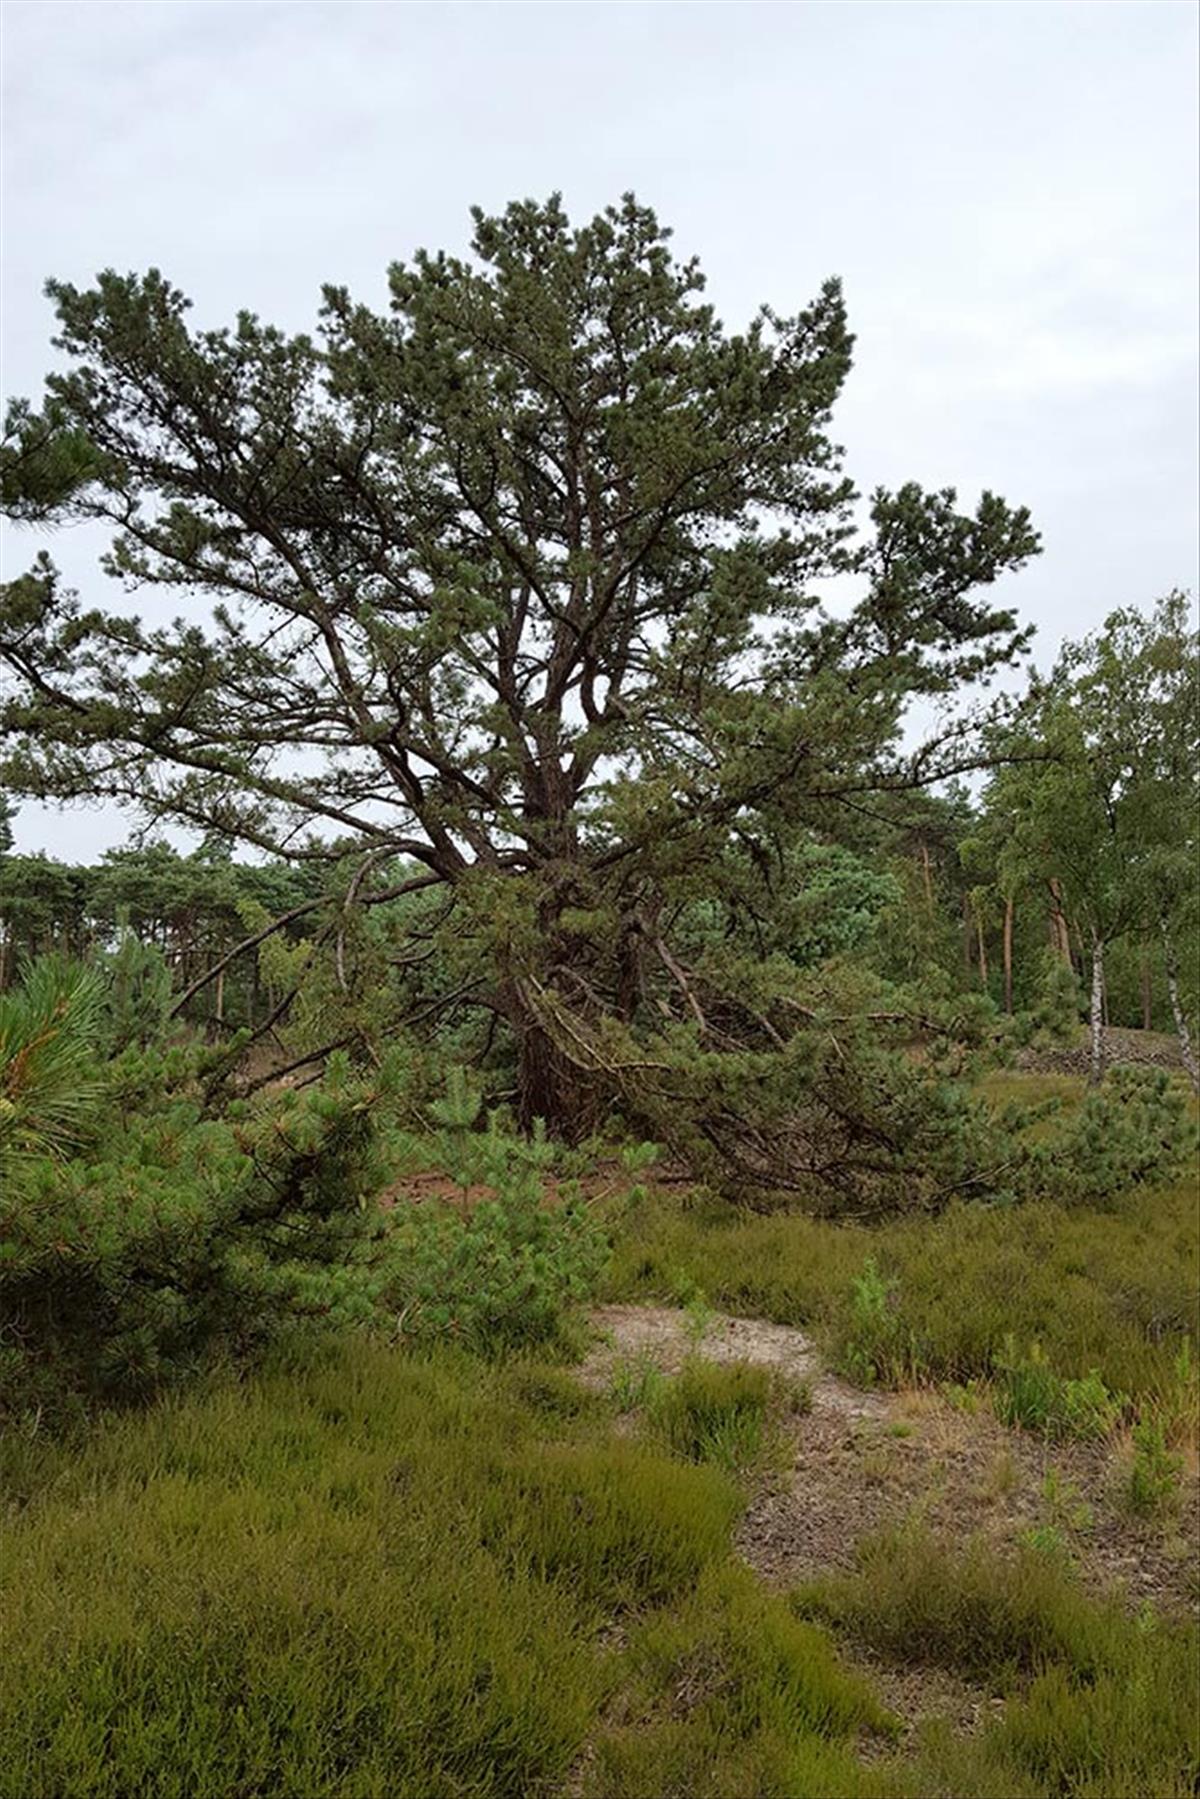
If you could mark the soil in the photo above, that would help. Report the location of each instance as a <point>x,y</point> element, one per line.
<point>605,1181</point>
<point>861,1461</point>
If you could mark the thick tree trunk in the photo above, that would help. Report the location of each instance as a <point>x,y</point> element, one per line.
<point>1181,1024</point>
<point>1008,959</point>
<point>552,1088</point>
<point>1097,1061</point>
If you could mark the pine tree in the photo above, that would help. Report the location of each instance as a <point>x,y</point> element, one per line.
<point>517,582</point>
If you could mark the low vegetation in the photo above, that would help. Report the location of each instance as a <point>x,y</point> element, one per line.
<point>1101,1701</point>
<point>1031,1296</point>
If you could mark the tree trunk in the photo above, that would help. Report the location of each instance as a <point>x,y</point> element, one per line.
<point>1097,1062</point>
<point>1058,925</point>
<point>221,997</point>
<point>1008,959</point>
<point>966,938</point>
<point>928,876</point>
<point>552,1088</point>
<point>1181,1024</point>
<point>1147,1005</point>
<point>983,966</point>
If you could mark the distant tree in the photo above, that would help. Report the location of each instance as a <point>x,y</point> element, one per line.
<point>515,581</point>
<point>1109,818</point>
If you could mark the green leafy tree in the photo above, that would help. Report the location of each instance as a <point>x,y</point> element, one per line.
<point>1103,797</point>
<point>138,991</point>
<point>516,582</point>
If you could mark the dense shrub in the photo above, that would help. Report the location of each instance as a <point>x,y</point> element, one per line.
<point>1114,1289</point>
<point>1133,1129</point>
<point>500,1270</point>
<point>180,1238</point>
<point>49,1077</point>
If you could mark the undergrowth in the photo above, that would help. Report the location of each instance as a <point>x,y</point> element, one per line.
<point>379,1575</point>
<point>375,1572</point>
<point>1101,1701</point>
<point>1113,1293</point>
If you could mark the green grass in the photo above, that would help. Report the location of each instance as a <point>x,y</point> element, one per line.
<point>368,1573</point>
<point>1117,1291</point>
<point>729,1695</point>
<point>714,1412</point>
<point>1102,1700</point>
<point>375,1574</point>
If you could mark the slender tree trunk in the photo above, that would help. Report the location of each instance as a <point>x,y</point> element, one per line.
<point>967,933</point>
<point>1097,1062</point>
<point>1181,1024</point>
<point>928,876</point>
<point>1147,1005</point>
<point>1008,955</point>
<point>983,966</point>
<point>1058,923</point>
<point>221,997</point>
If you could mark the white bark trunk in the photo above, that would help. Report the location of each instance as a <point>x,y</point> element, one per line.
<point>1181,1024</point>
<point>1097,1068</point>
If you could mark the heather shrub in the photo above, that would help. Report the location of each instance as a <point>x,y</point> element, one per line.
<point>1101,1702</point>
<point>713,1412</point>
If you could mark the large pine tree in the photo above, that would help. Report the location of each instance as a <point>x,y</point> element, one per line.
<point>517,581</point>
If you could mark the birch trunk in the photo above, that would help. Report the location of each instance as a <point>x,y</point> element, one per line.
<point>1097,1066</point>
<point>1181,1023</point>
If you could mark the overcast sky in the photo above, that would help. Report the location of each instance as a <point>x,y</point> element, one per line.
<point>1008,190</point>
